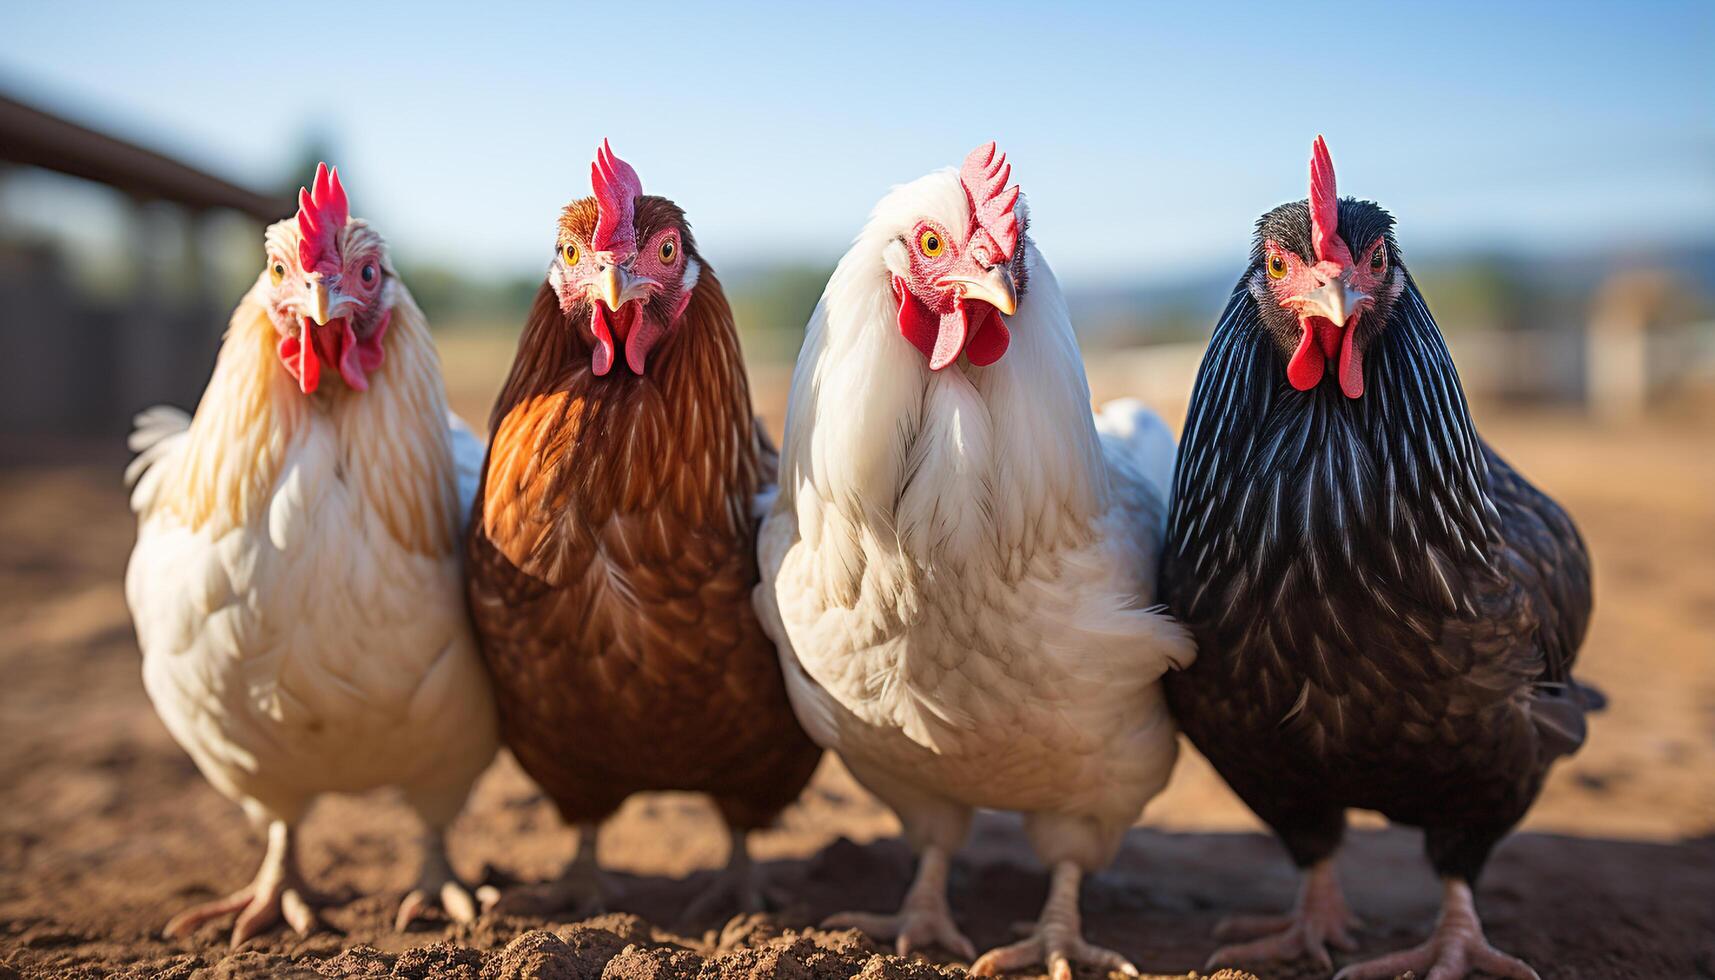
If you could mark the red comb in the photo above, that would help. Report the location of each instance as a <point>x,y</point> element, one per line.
<point>616,191</point>
<point>322,212</point>
<point>984,177</point>
<point>1325,207</point>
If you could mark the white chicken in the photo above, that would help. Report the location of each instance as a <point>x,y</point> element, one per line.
<point>960,566</point>
<point>296,584</point>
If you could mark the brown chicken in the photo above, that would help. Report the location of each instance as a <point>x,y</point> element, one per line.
<point>612,547</point>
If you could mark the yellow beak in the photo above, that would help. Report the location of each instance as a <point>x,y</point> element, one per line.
<point>993,286</point>
<point>616,285</point>
<point>1334,299</point>
<point>609,285</point>
<point>319,302</point>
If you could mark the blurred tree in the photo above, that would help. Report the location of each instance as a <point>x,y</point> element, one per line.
<point>1482,292</point>
<point>771,307</point>
<point>452,300</point>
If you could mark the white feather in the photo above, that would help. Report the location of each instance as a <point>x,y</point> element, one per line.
<point>300,647</point>
<point>468,455</point>
<point>959,570</point>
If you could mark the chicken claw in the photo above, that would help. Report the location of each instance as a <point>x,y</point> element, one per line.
<point>578,890</point>
<point>436,885</point>
<point>1318,920</point>
<point>277,892</point>
<point>1058,938</point>
<point>922,920</point>
<point>1455,949</point>
<point>910,929</point>
<point>735,885</point>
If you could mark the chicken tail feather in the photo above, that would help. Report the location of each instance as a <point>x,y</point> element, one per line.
<point>1145,437</point>
<point>152,430</point>
<point>155,433</point>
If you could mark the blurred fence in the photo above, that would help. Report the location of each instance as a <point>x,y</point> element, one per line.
<point>1613,367</point>
<point>80,364</point>
<point>76,366</point>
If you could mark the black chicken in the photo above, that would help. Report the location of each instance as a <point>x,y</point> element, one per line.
<point>1386,612</point>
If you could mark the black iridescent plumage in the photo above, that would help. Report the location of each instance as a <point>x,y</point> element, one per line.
<point>1386,612</point>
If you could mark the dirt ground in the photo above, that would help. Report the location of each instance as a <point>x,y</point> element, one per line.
<point>106,828</point>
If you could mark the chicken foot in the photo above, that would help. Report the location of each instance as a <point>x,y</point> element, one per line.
<point>278,891</point>
<point>1058,939</point>
<point>1456,948</point>
<point>1318,919</point>
<point>735,885</point>
<point>578,890</point>
<point>922,919</point>
<point>436,884</point>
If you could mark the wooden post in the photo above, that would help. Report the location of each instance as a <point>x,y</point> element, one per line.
<point>1617,382</point>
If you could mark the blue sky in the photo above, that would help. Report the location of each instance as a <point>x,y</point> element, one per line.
<point>1148,138</point>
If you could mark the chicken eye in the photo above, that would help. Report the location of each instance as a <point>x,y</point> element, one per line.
<point>1378,259</point>
<point>667,251</point>
<point>277,272</point>
<point>1276,266</point>
<point>368,272</point>
<point>570,251</point>
<point>930,244</point>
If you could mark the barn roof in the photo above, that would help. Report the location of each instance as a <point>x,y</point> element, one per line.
<point>30,136</point>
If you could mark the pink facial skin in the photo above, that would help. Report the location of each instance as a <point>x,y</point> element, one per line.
<point>636,291</point>
<point>947,296</point>
<point>662,261</point>
<point>338,277</point>
<point>1333,283</point>
<point>935,315</point>
<point>1323,340</point>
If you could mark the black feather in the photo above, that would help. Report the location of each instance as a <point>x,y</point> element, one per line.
<point>1386,612</point>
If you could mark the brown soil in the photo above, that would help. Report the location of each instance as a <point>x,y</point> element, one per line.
<point>106,828</point>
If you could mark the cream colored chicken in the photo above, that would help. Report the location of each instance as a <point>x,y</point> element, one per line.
<point>296,584</point>
<point>960,566</point>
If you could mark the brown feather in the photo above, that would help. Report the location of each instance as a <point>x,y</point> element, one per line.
<point>611,563</point>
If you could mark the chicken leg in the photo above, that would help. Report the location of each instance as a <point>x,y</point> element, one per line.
<point>278,891</point>
<point>1318,919</point>
<point>436,884</point>
<point>1058,939</point>
<point>923,918</point>
<point>578,889</point>
<point>736,884</point>
<point>1455,948</point>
